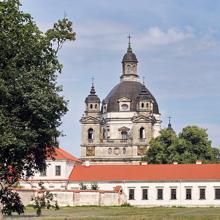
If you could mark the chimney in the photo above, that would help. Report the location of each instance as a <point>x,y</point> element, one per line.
<point>199,162</point>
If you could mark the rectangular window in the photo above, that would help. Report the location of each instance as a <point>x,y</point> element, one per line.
<point>201,193</point>
<point>173,194</point>
<point>188,194</point>
<point>145,194</point>
<point>217,193</point>
<point>43,172</point>
<point>57,170</point>
<point>159,194</point>
<point>131,194</point>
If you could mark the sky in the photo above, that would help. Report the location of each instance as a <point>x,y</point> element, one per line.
<point>177,44</point>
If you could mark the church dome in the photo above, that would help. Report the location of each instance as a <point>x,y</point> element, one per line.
<point>131,90</point>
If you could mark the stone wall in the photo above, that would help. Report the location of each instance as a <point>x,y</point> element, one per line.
<point>78,197</point>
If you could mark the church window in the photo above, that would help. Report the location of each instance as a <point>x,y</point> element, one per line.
<point>142,133</point>
<point>131,194</point>
<point>160,194</point>
<point>142,105</point>
<point>217,193</point>
<point>104,134</point>
<point>147,105</point>
<point>58,170</point>
<point>43,172</point>
<point>129,69</point>
<point>124,135</point>
<point>90,134</point>
<point>188,194</point>
<point>124,150</point>
<point>173,194</point>
<point>91,106</point>
<point>96,106</point>
<point>124,107</point>
<point>109,151</point>
<point>202,193</point>
<point>145,194</point>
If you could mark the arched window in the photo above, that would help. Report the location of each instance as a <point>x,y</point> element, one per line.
<point>109,151</point>
<point>142,133</point>
<point>91,106</point>
<point>129,69</point>
<point>124,150</point>
<point>104,133</point>
<point>124,135</point>
<point>142,105</point>
<point>90,134</point>
<point>96,106</point>
<point>147,105</point>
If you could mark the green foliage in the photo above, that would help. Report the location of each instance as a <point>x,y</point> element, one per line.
<point>82,186</point>
<point>31,106</point>
<point>94,186</point>
<point>11,202</point>
<point>190,145</point>
<point>44,199</point>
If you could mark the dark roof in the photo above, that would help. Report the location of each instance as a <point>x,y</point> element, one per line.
<point>130,57</point>
<point>131,90</point>
<point>92,97</point>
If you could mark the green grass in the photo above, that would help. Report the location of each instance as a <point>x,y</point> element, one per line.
<point>122,213</point>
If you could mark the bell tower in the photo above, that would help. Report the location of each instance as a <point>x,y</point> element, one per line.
<point>90,123</point>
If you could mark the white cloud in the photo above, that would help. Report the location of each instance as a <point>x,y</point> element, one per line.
<point>156,36</point>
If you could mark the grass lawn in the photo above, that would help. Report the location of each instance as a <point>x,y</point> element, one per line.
<point>122,213</point>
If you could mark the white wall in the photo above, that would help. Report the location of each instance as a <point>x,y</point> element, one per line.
<point>66,168</point>
<point>166,186</point>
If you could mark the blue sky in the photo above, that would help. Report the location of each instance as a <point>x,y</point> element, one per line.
<point>177,43</point>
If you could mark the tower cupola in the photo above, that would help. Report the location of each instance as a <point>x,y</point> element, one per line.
<point>129,64</point>
<point>145,101</point>
<point>92,101</point>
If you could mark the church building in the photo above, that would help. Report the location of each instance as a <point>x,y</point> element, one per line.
<point>119,129</point>
<point>115,136</point>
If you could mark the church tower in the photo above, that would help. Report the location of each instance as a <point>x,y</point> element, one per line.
<point>91,124</point>
<point>129,118</point>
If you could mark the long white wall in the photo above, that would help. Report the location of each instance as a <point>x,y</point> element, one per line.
<point>152,187</point>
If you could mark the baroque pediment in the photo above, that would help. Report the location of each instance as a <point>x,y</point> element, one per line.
<point>90,120</point>
<point>142,118</point>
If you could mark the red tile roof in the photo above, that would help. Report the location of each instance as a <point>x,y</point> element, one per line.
<point>61,154</point>
<point>165,172</point>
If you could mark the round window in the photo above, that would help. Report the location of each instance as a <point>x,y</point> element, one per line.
<point>124,107</point>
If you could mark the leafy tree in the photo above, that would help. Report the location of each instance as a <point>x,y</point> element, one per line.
<point>31,106</point>
<point>82,186</point>
<point>190,145</point>
<point>44,199</point>
<point>94,186</point>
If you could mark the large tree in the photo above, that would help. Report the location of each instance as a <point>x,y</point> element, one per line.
<point>190,145</point>
<point>31,105</point>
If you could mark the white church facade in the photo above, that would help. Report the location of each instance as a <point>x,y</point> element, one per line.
<point>115,136</point>
<point>119,129</point>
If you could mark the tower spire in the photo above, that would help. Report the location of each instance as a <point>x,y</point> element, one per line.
<point>129,44</point>
<point>92,91</point>
<point>169,124</point>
